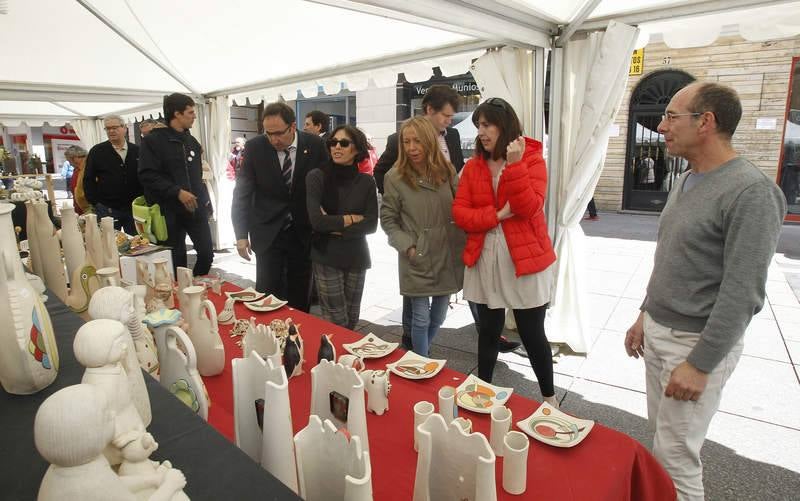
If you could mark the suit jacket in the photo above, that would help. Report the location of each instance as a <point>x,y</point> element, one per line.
<point>261,200</point>
<point>109,180</point>
<point>389,157</point>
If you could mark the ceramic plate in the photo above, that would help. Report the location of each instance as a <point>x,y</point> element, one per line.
<point>552,427</point>
<point>476,395</point>
<point>413,366</point>
<point>370,346</point>
<point>248,294</point>
<point>269,303</point>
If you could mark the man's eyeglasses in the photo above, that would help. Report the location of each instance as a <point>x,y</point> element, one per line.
<point>344,143</point>
<point>670,117</point>
<point>279,133</point>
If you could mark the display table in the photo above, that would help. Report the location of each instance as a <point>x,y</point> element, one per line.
<point>214,468</point>
<point>607,465</point>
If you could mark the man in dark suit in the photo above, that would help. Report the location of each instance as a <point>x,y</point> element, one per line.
<point>317,122</point>
<point>439,105</point>
<point>269,205</point>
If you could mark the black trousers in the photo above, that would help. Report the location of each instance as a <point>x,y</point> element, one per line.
<point>530,325</point>
<point>592,208</point>
<point>123,219</point>
<point>181,223</point>
<point>284,269</point>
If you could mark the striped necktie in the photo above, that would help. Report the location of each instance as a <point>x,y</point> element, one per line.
<point>287,168</point>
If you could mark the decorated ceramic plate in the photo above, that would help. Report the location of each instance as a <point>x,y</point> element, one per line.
<point>552,427</point>
<point>476,395</point>
<point>269,303</point>
<point>413,366</point>
<point>248,294</point>
<point>370,346</point>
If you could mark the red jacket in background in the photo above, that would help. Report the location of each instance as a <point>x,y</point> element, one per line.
<point>367,166</point>
<point>523,185</point>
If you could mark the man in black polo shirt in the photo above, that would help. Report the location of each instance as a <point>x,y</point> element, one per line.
<point>110,180</point>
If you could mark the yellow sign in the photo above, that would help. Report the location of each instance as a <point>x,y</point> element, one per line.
<point>637,62</point>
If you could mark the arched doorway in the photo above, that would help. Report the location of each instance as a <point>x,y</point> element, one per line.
<point>649,171</point>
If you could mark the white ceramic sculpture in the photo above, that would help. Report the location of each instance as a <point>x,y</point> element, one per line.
<point>447,403</point>
<point>94,242</point>
<point>116,303</point>
<point>203,330</point>
<point>72,243</point>
<point>143,277</point>
<point>329,466</point>
<point>108,236</point>
<point>227,316</point>
<point>378,386</point>
<point>35,254</point>
<point>501,424</point>
<point>422,411</point>
<point>28,351</point>
<point>453,464</point>
<point>353,361</point>
<point>71,430</point>
<point>515,462</point>
<point>184,278</point>
<point>49,263</point>
<point>273,447</point>
<point>142,476</point>
<point>179,372</point>
<point>259,338</point>
<point>327,377</point>
<point>162,278</point>
<point>101,346</point>
<point>108,276</point>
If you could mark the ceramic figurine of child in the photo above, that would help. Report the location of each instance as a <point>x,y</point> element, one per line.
<point>71,430</point>
<point>140,475</point>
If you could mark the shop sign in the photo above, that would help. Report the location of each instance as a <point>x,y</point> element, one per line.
<point>637,62</point>
<point>463,87</point>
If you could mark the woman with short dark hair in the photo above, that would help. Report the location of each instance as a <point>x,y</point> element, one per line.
<point>343,209</point>
<point>509,256</point>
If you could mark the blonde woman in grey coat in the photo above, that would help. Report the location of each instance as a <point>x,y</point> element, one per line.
<point>417,216</point>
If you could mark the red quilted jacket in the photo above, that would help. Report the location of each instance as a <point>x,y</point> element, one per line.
<point>523,184</point>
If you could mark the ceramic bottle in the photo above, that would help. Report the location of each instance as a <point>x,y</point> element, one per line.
<point>204,332</point>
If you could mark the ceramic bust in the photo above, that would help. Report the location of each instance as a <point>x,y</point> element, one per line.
<point>144,477</point>
<point>101,346</point>
<point>378,387</point>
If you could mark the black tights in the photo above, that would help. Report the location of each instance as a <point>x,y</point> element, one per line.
<point>530,325</point>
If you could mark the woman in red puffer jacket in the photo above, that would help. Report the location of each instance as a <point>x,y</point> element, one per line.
<point>509,256</point>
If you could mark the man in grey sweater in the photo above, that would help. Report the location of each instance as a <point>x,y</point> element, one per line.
<point>716,237</point>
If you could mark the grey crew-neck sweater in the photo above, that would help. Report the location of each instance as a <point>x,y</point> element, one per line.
<point>715,243</point>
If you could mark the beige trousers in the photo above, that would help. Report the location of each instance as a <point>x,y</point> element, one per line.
<point>680,427</point>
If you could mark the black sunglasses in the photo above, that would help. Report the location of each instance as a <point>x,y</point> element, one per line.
<point>344,143</point>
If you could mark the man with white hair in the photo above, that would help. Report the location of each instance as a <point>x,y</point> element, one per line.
<point>111,181</point>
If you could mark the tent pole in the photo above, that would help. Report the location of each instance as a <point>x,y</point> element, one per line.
<point>555,139</point>
<point>537,88</point>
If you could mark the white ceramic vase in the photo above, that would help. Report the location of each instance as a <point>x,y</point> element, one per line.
<point>327,377</point>
<point>255,378</point>
<point>184,278</point>
<point>204,332</point>
<point>447,403</point>
<point>49,264</point>
<point>500,425</point>
<point>94,242</point>
<point>35,254</point>
<point>108,235</point>
<point>422,411</point>
<point>515,462</point>
<point>162,277</point>
<point>228,315</point>
<point>72,242</point>
<point>329,466</point>
<point>463,467</point>
<point>108,276</point>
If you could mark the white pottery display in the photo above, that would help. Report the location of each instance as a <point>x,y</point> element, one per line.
<point>144,477</point>
<point>101,346</point>
<point>329,466</point>
<point>116,303</point>
<point>259,338</point>
<point>422,411</point>
<point>162,278</point>
<point>94,242</point>
<point>447,403</point>
<point>35,254</point>
<point>453,464</point>
<point>353,361</point>
<point>28,351</point>
<point>202,319</point>
<point>414,366</point>
<point>515,462</point>
<point>370,346</point>
<point>72,243</point>
<point>225,317</point>
<point>553,427</point>
<point>501,424</point>
<point>108,276</point>
<point>184,278</point>
<point>327,377</point>
<point>476,395</point>
<point>378,387</point>
<point>108,235</point>
<point>71,430</point>
<point>253,379</point>
<point>49,249</point>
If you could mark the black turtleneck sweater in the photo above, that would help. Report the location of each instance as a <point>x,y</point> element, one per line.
<point>341,190</point>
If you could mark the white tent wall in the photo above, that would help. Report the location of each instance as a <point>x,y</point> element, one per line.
<point>89,130</point>
<point>219,140</point>
<point>592,82</point>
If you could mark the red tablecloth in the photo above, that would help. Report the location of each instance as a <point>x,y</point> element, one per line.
<point>607,465</point>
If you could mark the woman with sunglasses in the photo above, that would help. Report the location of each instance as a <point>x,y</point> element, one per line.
<point>509,256</point>
<point>416,214</point>
<point>343,209</point>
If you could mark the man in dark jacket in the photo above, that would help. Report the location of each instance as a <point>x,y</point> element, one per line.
<point>269,205</point>
<point>110,181</point>
<point>439,105</point>
<point>171,172</point>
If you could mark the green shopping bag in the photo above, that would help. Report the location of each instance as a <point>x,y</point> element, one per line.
<point>149,221</point>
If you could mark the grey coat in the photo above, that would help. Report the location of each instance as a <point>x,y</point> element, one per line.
<point>423,217</point>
